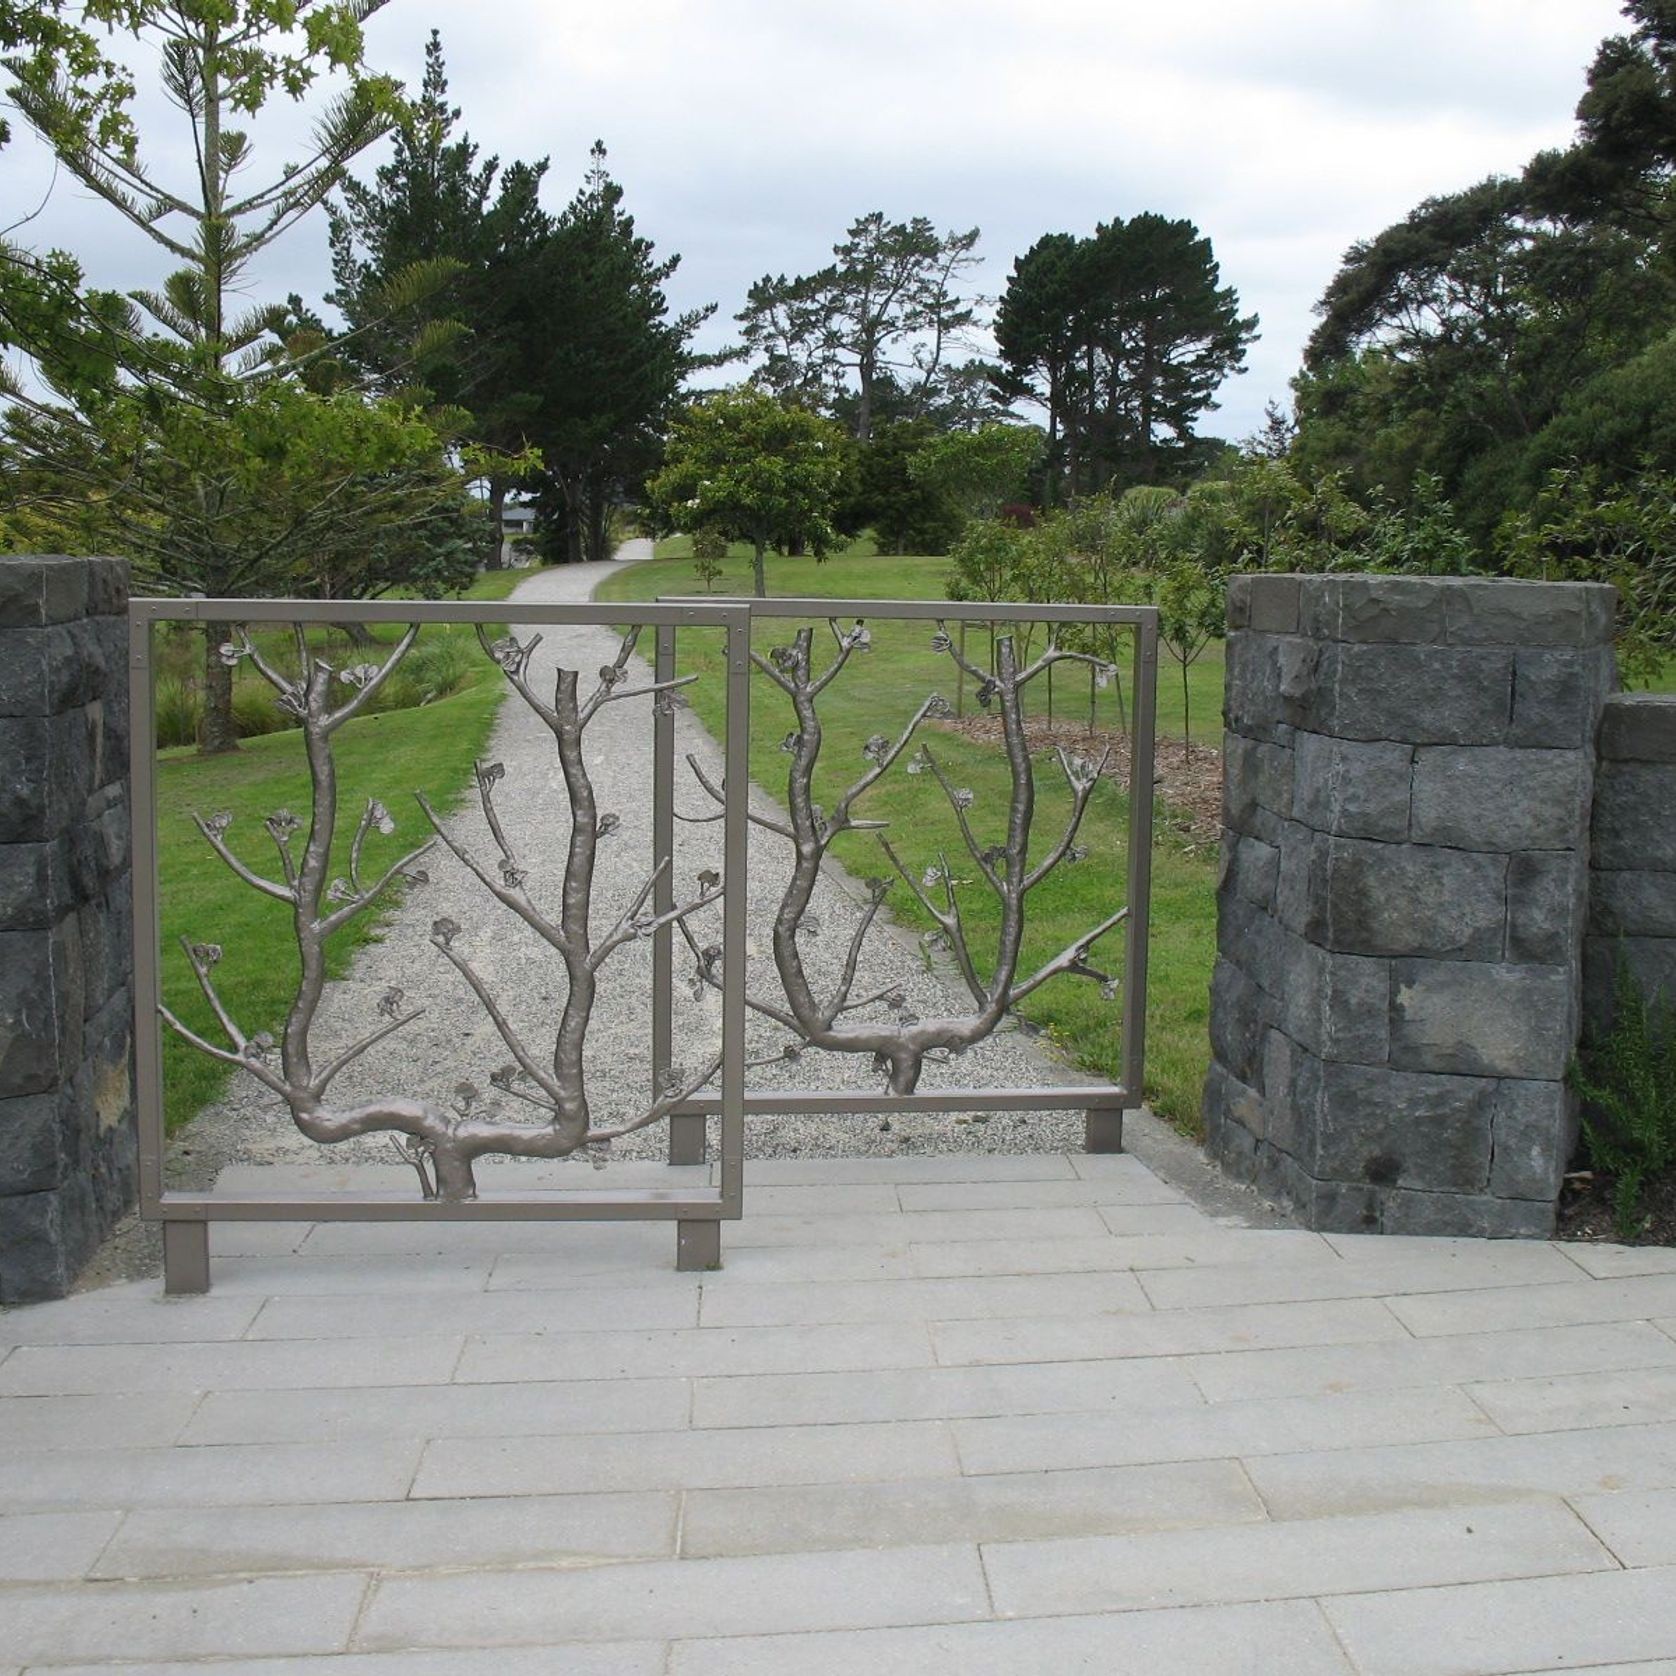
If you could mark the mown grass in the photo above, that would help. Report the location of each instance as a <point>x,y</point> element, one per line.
<point>876,695</point>
<point>387,755</point>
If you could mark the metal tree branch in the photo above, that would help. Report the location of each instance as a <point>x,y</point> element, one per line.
<point>441,1142</point>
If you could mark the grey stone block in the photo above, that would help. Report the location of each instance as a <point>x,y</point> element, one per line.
<point>1534,1128</point>
<point>1420,695</point>
<point>1489,797</point>
<point>1466,1216</point>
<point>1639,727</point>
<point>1373,608</point>
<point>1557,697</point>
<point>1410,899</point>
<point>1268,604</point>
<point>1249,869</point>
<point>1634,826</point>
<point>49,1236</point>
<point>1545,904</point>
<point>107,589</point>
<point>1651,961</point>
<point>31,1145</point>
<point>1240,1015</point>
<point>1353,789</point>
<point>1291,1096</point>
<point>1251,939</point>
<point>1384,1128</point>
<point>1621,904</point>
<point>49,670</point>
<point>1476,1018</point>
<point>37,589</point>
<point>34,884</point>
<point>40,1008</point>
<point>1300,895</point>
<point>1257,774</point>
<point>1338,1005</point>
<point>1338,1207</point>
<point>1492,611</point>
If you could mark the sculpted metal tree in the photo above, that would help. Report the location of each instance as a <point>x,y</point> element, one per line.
<point>441,1140</point>
<point>901,1043</point>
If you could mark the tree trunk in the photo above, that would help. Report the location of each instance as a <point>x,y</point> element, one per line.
<point>217,733</point>
<point>357,634</point>
<point>599,525</point>
<point>497,517</point>
<point>757,570</point>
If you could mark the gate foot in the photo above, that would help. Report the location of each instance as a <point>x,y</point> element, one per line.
<point>687,1139</point>
<point>698,1245</point>
<point>185,1259</point>
<point>1102,1131</point>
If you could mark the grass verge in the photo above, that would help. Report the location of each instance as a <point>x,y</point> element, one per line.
<point>876,696</point>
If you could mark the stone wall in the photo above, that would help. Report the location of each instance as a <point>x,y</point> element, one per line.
<point>67,1144</point>
<point>1409,764</point>
<point>1632,886</point>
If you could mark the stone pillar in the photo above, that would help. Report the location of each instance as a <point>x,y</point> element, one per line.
<point>1632,883</point>
<point>67,1144</point>
<point>1409,764</point>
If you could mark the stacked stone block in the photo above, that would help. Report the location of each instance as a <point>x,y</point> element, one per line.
<point>1632,887</point>
<point>67,1144</point>
<point>1409,764</point>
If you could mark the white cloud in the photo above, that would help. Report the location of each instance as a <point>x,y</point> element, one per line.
<point>748,133</point>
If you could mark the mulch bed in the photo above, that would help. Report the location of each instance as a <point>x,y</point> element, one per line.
<point>1188,785</point>
<point>1586,1210</point>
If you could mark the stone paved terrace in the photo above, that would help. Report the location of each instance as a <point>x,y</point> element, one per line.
<point>975,1414</point>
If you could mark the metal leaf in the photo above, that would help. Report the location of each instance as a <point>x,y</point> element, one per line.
<point>444,931</point>
<point>390,1003</point>
<point>608,823</point>
<point>381,817</point>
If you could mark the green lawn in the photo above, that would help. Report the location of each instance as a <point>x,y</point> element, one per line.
<point>877,695</point>
<point>389,756</point>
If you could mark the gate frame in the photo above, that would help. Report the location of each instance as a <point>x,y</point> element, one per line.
<point>697,1213</point>
<point>1102,1104</point>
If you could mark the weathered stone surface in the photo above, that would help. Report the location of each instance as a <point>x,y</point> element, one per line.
<point>1557,697</point>
<point>1251,939</point>
<point>1466,1216</point>
<point>1483,1019</point>
<point>1249,869</point>
<point>1490,611</point>
<point>1633,823</point>
<point>1291,1097</point>
<point>1410,899</point>
<point>1257,774</point>
<point>1338,1207</point>
<point>1386,1129</point>
<point>32,1156</point>
<point>1300,896</point>
<point>1420,695</point>
<point>1626,904</point>
<point>1268,604</point>
<point>34,884</point>
<point>1546,891</point>
<point>1534,1128</point>
<point>48,1236</point>
<point>1651,962</point>
<point>1377,608</point>
<point>1240,1014</point>
<point>1357,790</point>
<point>40,1010</point>
<point>1639,727</point>
<point>36,590</point>
<point>1338,1005</point>
<point>1488,797</point>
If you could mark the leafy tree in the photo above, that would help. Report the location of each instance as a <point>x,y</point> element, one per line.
<point>481,233</point>
<point>709,556</point>
<point>741,463</point>
<point>906,513</point>
<point>202,451</point>
<point>605,356</point>
<point>1123,338</point>
<point>884,315</point>
<point>979,471</point>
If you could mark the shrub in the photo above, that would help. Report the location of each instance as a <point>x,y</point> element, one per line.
<point>1627,1081</point>
<point>709,554</point>
<point>178,713</point>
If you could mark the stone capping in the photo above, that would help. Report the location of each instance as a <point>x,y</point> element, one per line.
<point>67,1142</point>
<point>1409,769</point>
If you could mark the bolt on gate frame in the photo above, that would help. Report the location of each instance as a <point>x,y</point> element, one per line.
<point>902,1045</point>
<point>440,1145</point>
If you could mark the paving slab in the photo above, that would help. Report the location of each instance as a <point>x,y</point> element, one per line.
<point>572,1406</point>
<point>1285,1638</point>
<point>482,1532</point>
<point>621,1658</point>
<point>762,1596</point>
<point>1549,1623</point>
<point>1283,1559</point>
<point>814,1261</point>
<point>1195,1244</point>
<point>110,1420</point>
<point>131,1314</point>
<point>286,1275</point>
<point>1482,1469</point>
<point>1617,1397</point>
<point>1638,1526</point>
<point>1608,1262</point>
<point>1630,1298</point>
<point>673,1303</point>
<point>1001,1507</point>
<point>686,1460</point>
<point>1043,1442</point>
<point>245,1617</point>
<point>1140,1188</point>
<point>52,1547</point>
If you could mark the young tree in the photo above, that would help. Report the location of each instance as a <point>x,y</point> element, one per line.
<point>889,309</point>
<point>201,451</point>
<point>739,462</point>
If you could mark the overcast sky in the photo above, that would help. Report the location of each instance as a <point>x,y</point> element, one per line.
<point>749,133</point>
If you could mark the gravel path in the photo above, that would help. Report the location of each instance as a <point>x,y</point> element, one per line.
<point>455,1042</point>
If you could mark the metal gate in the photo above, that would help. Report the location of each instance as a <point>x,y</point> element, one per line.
<point>316,871</point>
